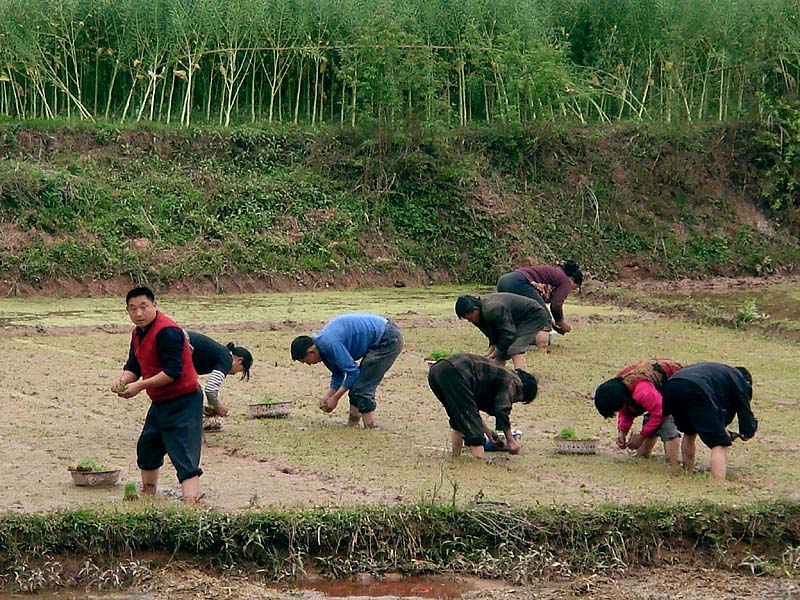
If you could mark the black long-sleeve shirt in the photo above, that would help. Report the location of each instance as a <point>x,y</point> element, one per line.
<point>727,388</point>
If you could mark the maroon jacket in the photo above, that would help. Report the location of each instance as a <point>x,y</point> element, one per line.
<point>147,356</point>
<point>552,284</point>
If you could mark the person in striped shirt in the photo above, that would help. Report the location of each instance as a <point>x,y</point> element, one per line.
<point>467,384</point>
<point>217,361</point>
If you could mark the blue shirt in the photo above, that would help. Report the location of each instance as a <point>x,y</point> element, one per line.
<point>346,339</point>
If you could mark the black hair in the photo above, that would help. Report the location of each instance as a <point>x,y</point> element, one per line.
<point>140,291</point>
<point>611,396</point>
<point>300,346</point>
<point>571,269</point>
<point>244,354</point>
<point>746,374</point>
<point>529,386</point>
<point>466,304</point>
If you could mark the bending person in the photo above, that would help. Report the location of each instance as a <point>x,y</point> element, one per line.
<point>217,361</point>
<point>636,391</point>
<point>546,285</point>
<point>510,322</point>
<point>466,384</point>
<point>704,398</point>
<point>372,339</point>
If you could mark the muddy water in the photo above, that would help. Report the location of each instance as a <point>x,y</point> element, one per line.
<point>780,301</point>
<point>276,307</point>
<point>432,587</point>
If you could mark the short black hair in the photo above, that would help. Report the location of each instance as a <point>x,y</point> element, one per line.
<point>300,346</point>
<point>611,396</point>
<point>247,358</point>
<point>530,387</point>
<point>466,304</point>
<point>746,374</point>
<point>140,291</point>
<point>571,269</point>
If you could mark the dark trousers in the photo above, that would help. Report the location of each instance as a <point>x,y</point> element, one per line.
<point>175,428</point>
<point>516,283</point>
<point>373,367</point>
<point>695,413</point>
<point>458,400</point>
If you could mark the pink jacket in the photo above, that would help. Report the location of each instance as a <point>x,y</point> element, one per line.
<point>648,397</point>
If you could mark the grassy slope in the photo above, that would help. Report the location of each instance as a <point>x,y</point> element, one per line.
<point>168,206</point>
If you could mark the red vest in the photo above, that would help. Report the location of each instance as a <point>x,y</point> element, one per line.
<point>146,353</point>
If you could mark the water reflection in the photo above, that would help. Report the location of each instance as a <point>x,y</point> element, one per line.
<point>781,301</point>
<point>434,302</point>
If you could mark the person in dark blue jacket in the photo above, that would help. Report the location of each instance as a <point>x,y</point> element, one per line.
<point>704,398</point>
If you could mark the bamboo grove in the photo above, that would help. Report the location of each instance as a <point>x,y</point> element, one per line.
<point>432,62</point>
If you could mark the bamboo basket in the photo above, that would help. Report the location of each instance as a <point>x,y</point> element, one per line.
<point>94,478</point>
<point>273,409</point>
<point>584,446</point>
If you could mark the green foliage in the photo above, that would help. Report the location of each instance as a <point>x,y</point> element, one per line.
<point>440,64</point>
<point>567,434</point>
<point>748,313</point>
<point>781,154</point>
<point>91,464</point>
<point>253,202</point>
<point>130,491</point>
<point>478,540</point>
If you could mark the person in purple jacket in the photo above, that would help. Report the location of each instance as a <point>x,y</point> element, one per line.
<point>372,339</point>
<point>546,285</point>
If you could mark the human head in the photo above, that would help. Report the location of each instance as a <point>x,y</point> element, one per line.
<point>747,377</point>
<point>305,350</point>
<point>142,306</point>
<point>529,386</point>
<point>571,269</point>
<point>611,396</point>
<point>245,360</point>
<point>466,307</point>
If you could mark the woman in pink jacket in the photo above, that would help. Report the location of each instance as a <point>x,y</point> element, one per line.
<point>635,391</point>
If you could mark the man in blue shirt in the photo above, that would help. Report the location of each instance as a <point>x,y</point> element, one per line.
<point>372,339</point>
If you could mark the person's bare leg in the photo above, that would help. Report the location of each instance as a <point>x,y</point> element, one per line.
<point>543,341</point>
<point>688,451</point>
<point>354,418</point>
<point>719,462</point>
<point>672,449</point>
<point>150,481</point>
<point>646,447</point>
<point>477,452</point>
<point>190,490</point>
<point>456,442</point>
<point>518,360</point>
<point>369,419</point>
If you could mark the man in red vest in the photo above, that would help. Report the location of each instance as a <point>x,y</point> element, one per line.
<point>160,362</point>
